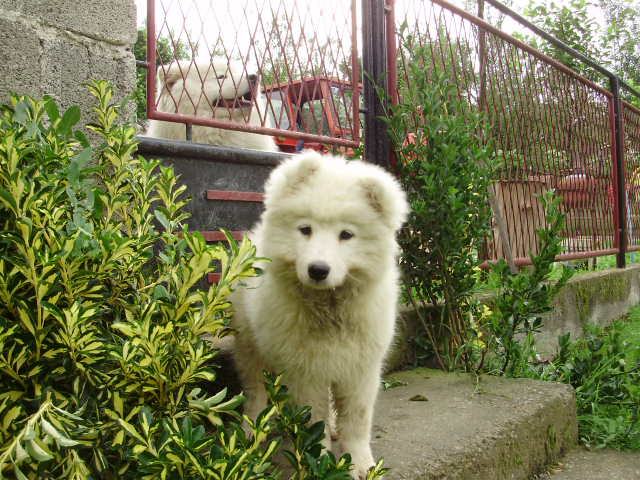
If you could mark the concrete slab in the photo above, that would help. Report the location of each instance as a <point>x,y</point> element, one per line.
<point>581,464</point>
<point>446,426</point>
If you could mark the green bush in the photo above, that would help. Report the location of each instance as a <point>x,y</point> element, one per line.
<point>521,299</point>
<point>103,365</point>
<point>604,368</point>
<point>444,168</point>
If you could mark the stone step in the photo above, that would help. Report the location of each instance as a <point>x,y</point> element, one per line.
<point>581,464</point>
<point>449,426</point>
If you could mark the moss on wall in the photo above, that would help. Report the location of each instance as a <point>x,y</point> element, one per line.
<point>609,288</point>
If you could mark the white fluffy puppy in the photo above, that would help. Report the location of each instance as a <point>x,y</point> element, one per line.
<point>193,88</point>
<point>323,313</point>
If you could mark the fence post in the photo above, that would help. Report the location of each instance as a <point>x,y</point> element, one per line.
<point>377,147</point>
<point>620,187</point>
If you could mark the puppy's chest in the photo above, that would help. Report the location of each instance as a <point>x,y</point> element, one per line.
<point>327,314</point>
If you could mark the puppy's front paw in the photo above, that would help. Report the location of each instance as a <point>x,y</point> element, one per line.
<point>362,460</point>
<point>360,472</point>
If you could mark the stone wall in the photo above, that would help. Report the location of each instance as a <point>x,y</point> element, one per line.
<point>54,47</point>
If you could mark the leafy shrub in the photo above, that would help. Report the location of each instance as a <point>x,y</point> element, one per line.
<point>102,355</point>
<point>443,161</point>
<point>443,167</point>
<point>515,312</point>
<point>604,368</point>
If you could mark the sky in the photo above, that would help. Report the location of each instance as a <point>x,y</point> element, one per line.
<point>232,25</point>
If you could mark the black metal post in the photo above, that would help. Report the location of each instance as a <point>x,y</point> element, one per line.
<point>621,198</point>
<point>377,147</point>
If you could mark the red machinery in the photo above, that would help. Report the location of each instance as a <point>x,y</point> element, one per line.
<point>320,105</point>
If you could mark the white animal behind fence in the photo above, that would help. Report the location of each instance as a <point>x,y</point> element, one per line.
<point>218,89</point>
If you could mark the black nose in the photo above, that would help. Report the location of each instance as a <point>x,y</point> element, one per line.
<point>319,271</point>
<point>252,78</point>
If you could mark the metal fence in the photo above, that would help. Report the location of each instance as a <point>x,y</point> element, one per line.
<point>631,133</point>
<point>298,77</point>
<point>551,127</point>
<point>281,68</point>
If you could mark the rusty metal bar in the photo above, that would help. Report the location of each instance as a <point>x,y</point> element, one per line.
<point>235,196</point>
<point>618,173</point>
<point>151,57</point>
<point>392,51</point>
<point>355,73</point>
<point>521,45</point>
<point>218,236</point>
<point>209,122</point>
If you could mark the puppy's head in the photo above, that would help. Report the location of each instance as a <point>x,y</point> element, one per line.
<point>189,86</point>
<point>331,221</point>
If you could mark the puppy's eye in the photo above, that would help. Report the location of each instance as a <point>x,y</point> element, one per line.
<point>346,235</point>
<point>305,230</point>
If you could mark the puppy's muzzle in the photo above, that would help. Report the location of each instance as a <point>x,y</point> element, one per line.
<point>318,271</point>
<point>242,101</point>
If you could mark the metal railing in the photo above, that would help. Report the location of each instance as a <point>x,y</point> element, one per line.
<point>552,127</point>
<point>281,68</point>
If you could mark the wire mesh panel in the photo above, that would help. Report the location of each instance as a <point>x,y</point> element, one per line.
<point>271,67</point>
<point>631,122</point>
<point>551,128</point>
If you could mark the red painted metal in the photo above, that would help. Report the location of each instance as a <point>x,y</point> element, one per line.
<point>392,51</point>
<point>614,179</point>
<point>217,236</point>
<point>233,195</point>
<point>282,41</point>
<point>209,122</point>
<point>355,68</point>
<point>296,94</point>
<point>151,57</point>
<point>551,127</point>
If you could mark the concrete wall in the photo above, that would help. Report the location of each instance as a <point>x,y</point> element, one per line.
<point>211,167</point>
<point>55,46</point>
<point>589,298</point>
<point>592,298</point>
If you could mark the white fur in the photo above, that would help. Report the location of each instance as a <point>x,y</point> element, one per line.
<point>191,89</point>
<point>328,338</point>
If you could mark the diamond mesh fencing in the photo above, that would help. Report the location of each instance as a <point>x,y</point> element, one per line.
<point>631,132</point>
<point>283,68</point>
<point>551,128</point>
<point>290,69</point>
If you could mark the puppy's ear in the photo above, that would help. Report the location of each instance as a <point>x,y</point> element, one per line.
<point>385,196</point>
<point>292,174</point>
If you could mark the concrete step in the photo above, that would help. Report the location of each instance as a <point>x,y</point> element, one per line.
<point>448,426</point>
<point>581,464</point>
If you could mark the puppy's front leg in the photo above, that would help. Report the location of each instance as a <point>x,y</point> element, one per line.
<point>354,405</point>
<point>317,397</point>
